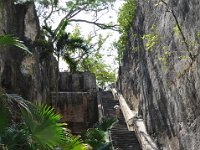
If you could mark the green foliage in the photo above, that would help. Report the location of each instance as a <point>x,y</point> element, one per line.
<point>32,126</point>
<point>176,30</point>
<point>151,39</point>
<point>96,137</point>
<point>120,46</point>
<point>71,142</point>
<point>73,7</point>
<point>42,123</point>
<point>46,48</point>
<point>197,35</point>
<point>71,47</point>
<point>91,60</point>
<point>90,3</point>
<point>105,124</point>
<point>9,40</point>
<point>16,137</point>
<point>125,17</point>
<point>36,127</point>
<point>75,51</point>
<point>102,71</point>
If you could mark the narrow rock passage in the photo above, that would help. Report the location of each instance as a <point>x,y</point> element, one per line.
<point>121,138</point>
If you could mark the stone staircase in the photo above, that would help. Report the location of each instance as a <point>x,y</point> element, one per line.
<point>121,138</point>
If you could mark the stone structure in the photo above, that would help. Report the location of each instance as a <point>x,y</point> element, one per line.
<point>159,74</point>
<point>77,100</point>
<point>34,78</point>
<point>77,82</point>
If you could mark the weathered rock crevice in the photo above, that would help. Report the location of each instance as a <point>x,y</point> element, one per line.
<point>158,78</point>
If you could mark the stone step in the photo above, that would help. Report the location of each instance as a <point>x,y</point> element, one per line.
<point>121,137</point>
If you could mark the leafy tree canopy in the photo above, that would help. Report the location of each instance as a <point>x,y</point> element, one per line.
<point>75,49</point>
<point>103,72</point>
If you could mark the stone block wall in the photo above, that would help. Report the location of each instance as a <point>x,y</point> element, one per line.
<point>77,100</point>
<point>77,82</point>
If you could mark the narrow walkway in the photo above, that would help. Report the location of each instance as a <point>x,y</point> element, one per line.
<point>121,138</point>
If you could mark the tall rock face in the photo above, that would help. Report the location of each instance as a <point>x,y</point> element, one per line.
<point>22,73</point>
<point>160,73</point>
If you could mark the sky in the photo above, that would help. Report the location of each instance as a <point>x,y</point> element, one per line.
<point>109,53</point>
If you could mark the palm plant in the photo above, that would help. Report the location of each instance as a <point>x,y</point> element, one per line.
<point>75,44</point>
<point>13,41</point>
<point>71,142</point>
<point>63,46</point>
<point>24,125</point>
<point>105,124</point>
<point>96,137</point>
<point>42,124</point>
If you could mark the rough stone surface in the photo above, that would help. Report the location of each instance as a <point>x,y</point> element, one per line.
<point>19,72</point>
<point>35,78</point>
<point>162,82</point>
<point>74,109</point>
<point>77,82</point>
<point>77,100</point>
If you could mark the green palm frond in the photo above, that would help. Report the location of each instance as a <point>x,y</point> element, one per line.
<point>70,61</point>
<point>62,41</point>
<point>37,127</point>
<point>48,31</point>
<point>106,123</point>
<point>94,137</point>
<point>9,105</point>
<point>77,43</point>
<point>9,40</point>
<point>43,125</point>
<point>72,142</point>
<point>61,29</point>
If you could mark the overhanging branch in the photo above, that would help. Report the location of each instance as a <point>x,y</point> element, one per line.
<point>100,25</point>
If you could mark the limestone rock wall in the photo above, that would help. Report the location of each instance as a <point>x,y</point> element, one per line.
<point>159,74</point>
<point>21,73</point>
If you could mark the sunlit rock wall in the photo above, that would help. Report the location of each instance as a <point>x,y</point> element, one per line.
<point>160,75</point>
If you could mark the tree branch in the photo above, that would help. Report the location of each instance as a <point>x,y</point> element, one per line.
<point>100,25</point>
<point>51,12</point>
